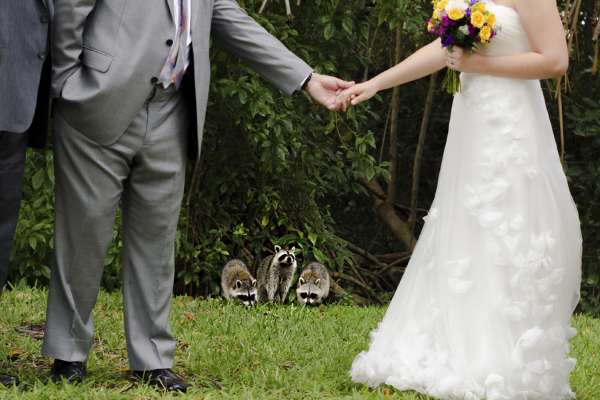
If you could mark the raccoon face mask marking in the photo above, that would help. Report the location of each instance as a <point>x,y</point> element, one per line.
<point>285,257</point>
<point>237,283</point>
<point>309,294</point>
<point>247,299</point>
<point>245,292</point>
<point>313,285</point>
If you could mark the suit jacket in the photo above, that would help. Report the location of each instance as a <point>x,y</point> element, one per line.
<point>107,54</point>
<point>24,72</point>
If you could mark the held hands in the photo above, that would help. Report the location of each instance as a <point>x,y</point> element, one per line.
<point>461,60</point>
<point>324,89</point>
<point>358,93</point>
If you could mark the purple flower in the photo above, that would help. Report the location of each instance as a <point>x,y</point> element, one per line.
<point>445,21</point>
<point>447,40</point>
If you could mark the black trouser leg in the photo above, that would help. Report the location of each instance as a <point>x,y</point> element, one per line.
<point>12,164</point>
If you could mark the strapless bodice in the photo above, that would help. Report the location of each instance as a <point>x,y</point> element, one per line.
<point>511,37</point>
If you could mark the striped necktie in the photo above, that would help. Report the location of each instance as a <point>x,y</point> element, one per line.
<point>178,60</point>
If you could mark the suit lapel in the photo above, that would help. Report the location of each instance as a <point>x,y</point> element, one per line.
<point>45,3</point>
<point>171,5</point>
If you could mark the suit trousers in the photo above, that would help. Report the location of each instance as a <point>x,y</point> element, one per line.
<point>13,147</point>
<point>144,172</point>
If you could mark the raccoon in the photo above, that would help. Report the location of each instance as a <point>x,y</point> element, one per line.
<point>313,284</point>
<point>238,283</point>
<point>275,275</point>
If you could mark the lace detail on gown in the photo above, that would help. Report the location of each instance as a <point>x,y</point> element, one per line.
<point>484,308</point>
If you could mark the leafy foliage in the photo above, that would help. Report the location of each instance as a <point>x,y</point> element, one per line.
<point>32,248</point>
<point>278,169</point>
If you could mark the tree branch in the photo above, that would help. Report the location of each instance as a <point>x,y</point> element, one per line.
<point>393,149</point>
<point>364,253</point>
<point>262,7</point>
<point>419,151</point>
<point>366,288</point>
<point>386,212</point>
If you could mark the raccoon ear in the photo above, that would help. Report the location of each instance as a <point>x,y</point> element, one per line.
<point>238,284</point>
<point>293,250</point>
<point>277,248</point>
<point>317,281</point>
<point>301,281</point>
<point>253,282</point>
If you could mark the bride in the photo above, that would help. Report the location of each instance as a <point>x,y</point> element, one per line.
<point>484,308</point>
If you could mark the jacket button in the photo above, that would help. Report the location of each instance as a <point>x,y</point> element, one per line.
<point>154,80</point>
<point>170,42</point>
<point>42,56</point>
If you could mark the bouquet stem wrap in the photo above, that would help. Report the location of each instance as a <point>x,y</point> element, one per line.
<point>451,82</point>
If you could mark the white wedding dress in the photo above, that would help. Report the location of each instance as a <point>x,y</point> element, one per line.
<point>483,310</point>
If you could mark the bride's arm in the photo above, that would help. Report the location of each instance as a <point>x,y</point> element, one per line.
<point>549,57</point>
<point>425,61</point>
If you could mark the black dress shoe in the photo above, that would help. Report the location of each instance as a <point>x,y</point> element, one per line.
<point>70,371</point>
<point>8,380</point>
<point>164,379</point>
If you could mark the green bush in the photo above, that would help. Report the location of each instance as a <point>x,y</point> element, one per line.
<point>280,169</point>
<point>32,248</point>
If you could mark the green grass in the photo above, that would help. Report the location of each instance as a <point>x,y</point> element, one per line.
<point>228,352</point>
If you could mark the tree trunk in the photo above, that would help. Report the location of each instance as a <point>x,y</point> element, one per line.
<point>386,212</point>
<point>393,149</point>
<point>419,151</point>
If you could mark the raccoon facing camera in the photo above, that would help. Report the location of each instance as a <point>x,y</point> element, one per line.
<point>275,275</point>
<point>313,285</point>
<point>238,284</point>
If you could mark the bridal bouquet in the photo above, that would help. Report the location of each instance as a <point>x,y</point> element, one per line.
<point>463,23</point>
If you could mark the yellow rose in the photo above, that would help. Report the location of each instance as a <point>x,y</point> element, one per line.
<point>491,20</point>
<point>478,7</point>
<point>485,33</point>
<point>456,14</point>
<point>477,19</point>
<point>441,4</point>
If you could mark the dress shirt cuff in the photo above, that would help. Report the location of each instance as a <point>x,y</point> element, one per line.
<point>299,88</point>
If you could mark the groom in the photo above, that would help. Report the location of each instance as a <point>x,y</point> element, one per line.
<point>24,103</point>
<point>132,78</point>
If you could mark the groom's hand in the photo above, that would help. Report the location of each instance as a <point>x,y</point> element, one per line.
<point>324,90</point>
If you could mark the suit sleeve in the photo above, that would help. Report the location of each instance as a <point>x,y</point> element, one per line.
<point>67,37</point>
<point>244,37</point>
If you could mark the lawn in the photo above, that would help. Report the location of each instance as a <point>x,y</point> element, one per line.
<point>228,352</point>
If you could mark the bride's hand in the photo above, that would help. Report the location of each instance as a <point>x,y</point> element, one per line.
<point>358,93</point>
<point>461,60</point>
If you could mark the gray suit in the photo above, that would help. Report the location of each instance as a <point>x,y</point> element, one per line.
<point>121,52</point>
<point>121,139</point>
<point>24,103</point>
<point>23,52</point>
